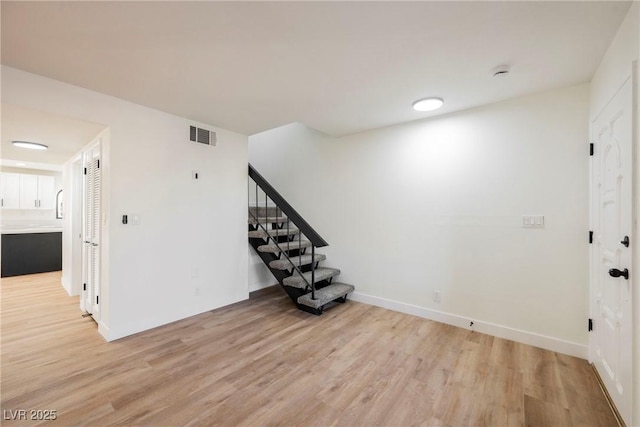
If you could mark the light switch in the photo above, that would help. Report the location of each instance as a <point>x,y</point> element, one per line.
<point>136,219</point>
<point>533,221</point>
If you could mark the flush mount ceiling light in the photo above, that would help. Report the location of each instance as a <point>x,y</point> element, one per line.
<point>29,145</point>
<point>428,104</point>
<point>501,70</point>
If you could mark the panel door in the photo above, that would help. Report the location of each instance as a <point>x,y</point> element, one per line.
<point>610,345</point>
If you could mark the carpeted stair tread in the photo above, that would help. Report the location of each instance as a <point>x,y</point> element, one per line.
<point>285,264</point>
<point>274,249</point>
<point>268,220</point>
<point>261,234</point>
<point>326,295</point>
<point>260,211</point>
<point>321,274</point>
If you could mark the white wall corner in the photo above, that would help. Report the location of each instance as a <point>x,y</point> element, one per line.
<point>104,331</point>
<point>524,337</point>
<point>65,281</point>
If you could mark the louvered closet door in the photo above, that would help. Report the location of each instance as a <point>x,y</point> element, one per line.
<point>86,234</point>
<point>91,233</point>
<point>95,234</point>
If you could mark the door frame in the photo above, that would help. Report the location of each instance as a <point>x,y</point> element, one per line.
<point>74,203</point>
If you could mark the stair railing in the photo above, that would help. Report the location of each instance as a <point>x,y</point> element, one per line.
<point>292,216</point>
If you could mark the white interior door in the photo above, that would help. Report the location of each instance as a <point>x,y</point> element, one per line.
<point>91,228</point>
<point>610,344</point>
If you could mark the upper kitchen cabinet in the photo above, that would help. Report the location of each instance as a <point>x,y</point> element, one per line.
<point>9,190</point>
<point>24,191</point>
<point>37,192</point>
<point>46,192</point>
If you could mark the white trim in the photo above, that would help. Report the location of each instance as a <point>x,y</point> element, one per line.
<point>530,338</point>
<point>65,281</point>
<point>104,331</point>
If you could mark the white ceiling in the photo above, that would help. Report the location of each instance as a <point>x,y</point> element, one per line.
<point>65,136</point>
<point>340,67</point>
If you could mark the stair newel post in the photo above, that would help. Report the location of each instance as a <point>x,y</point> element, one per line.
<point>313,271</point>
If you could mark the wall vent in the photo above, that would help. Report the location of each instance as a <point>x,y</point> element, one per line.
<point>202,136</point>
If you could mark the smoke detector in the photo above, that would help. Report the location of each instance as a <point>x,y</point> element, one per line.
<point>501,71</point>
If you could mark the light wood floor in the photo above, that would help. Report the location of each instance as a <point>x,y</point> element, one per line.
<point>263,362</point>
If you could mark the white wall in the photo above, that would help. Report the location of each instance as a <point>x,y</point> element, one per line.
<point>437,204</point>
<point>615,67</point>
<point>259,275</point>
<point>188,255</point>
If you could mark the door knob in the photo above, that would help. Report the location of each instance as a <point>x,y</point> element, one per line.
<point>614,272</point>
<point>625,241</point>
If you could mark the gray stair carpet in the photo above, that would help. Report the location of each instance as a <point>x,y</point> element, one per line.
<point>322,273</point>
<point>268,220</point>
<point>285,264</point>
<point>326,295</point>
<point>270,210</point>
<point>261,234</point>
<point>286,246</point>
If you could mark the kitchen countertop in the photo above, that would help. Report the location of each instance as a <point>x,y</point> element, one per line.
<point>27,229</point>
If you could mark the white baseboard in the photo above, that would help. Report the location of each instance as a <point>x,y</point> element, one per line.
<point>530,338</point>
<point>66,285</point>
<point>104,331</point>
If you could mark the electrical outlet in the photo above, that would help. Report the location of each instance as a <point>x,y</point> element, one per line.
<point>436,296</point>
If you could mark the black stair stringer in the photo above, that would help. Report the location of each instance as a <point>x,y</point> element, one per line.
<point>280,275</point>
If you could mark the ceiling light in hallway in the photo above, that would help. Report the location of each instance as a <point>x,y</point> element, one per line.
<point>30,145</point>
<point>428,104</point>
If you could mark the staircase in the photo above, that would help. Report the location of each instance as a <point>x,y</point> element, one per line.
<point>287,244</point>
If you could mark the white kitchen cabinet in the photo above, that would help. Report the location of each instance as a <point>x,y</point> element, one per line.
<point>36,192</point>
<point>46,192</point>
<point>28,191</point>
<point>9,190</point>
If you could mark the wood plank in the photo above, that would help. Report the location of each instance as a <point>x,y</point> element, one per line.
<point>540,413</point>
<point>263,362</point>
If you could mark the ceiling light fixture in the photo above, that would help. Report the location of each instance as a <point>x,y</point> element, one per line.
<point>30,145</point>
<point>501,70</point>
<point>428,104</point>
